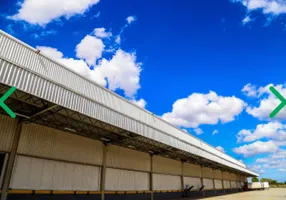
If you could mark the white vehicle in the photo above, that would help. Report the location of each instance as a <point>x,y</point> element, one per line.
<point>265,185</point>
<point>255,186</point>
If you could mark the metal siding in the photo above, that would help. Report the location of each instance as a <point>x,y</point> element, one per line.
<point>124,180</point>
<point>166,182</point>
<point>207,172</point>
<point>226,175</point>
<point>218,174</point>
<point>41,174</point>
<point>8,128</point>
<point>42,141</point>
<point>90,94</point>
<point>232,176</point>
<point>233,184</point>
<point>191,181</point>
<point>208,183</point>
<point>119,157</point>
<point>192,170</point>
<point>218,184</point>
<point>166,166</point>
<point>226,184</point>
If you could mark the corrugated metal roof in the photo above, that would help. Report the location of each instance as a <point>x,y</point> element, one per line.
<point>36,74</point>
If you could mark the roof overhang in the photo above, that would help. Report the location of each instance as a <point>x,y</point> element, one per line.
<point>50,94</point>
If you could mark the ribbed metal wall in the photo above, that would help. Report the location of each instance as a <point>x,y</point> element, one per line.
<point>226,175</point>
<point>26,57</point>
<point>191,181</point>
<point>233,184</point>
<point>42,141</point>
<point>25,81</point>
<point>208,183</point>
<point>166,166</point>
<point>218,184</point>
<point>7,131</point>
<point>207,172</point>
<point>41,174</point>
<point>124,180</point>
<point>119,157</point>
<point>166,182</point>
<point>192,170</point>
<point>232,176</point>
<point>226,184</point>
<point>218,174</point>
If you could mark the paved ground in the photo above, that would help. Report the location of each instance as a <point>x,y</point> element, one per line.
<point>272,194</point>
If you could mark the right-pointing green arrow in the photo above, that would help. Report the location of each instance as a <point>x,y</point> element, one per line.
<point>281,105</point>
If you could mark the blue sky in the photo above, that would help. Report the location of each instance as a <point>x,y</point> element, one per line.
<point>202,65</point>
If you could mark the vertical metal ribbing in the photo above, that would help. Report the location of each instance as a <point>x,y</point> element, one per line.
<point>11,160</point>
<point>151,177</point>
<point>103,172</point>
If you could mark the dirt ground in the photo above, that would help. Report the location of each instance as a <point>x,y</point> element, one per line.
<point>272,194</point>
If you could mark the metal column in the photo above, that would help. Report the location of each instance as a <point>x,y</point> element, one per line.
<point>214,181</point>
<point>151,177</point>
<point>182,175</point>
<point>202,181</point>
<point>11,160</point>
<point>103,172</point>
<point>222,181</point>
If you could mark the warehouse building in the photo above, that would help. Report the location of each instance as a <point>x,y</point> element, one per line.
<point>73,139</point>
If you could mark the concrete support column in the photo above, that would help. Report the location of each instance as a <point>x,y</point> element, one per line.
<point>202,180</point>
<point>11,160</point>
<point>182,175</point>
<point>103,172</point>
<point>151,177</point>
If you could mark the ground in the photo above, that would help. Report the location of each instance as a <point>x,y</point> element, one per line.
<point>272,194</point>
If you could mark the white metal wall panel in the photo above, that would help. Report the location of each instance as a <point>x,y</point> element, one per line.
<point>218,184</point>
<point>119,157</point>
<point>192,170</point>
<point>191,181</point>
<point>42,141</point>
<point>166,182</point>
<point>226,184</point>
<point>125,180</point>
<point>208,183</point>
<point>91,96</point>
<point>233,184</point>
<point>207,172</point>
<point>7,131</point>
<point>218,174</point>
<point>166,165</point>
<point>42,174</point>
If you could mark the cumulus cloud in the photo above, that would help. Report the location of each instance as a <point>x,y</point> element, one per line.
<point>90,49</point>
<point>141,102</point>
<point>44,34</point>
<point>267,102</point>
<point>198,131</point>
<point>271,130</point>
<point>257,168</point>
<point>246,20</point>
<point>42,12</point>
<point>78,66</point>
<point>207,108</point>
<point>215,132</point>
<point>220,149</point>
<point>274,161</point>
<point>101,33</point>
<point>131,19</point>
<point>256,148</point>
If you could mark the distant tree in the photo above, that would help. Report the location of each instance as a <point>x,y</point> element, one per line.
<point>254,180</point>
<point>285,182</point>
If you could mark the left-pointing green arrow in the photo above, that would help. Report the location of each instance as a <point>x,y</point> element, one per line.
<point>4,106</point>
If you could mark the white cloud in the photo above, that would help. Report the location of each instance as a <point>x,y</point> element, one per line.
<point>215,132</point>
<point>207,108</point>
<point>131,19</point>
<point>101,33</point>
<point>44,34</point>
<point>261,160</point>
<point>141,102</point>
<point>267,102</point>
<point>42,12</point>
<point>282,170</point>
<point>273,7</point>
<point>272,130</point>
<point>90,49</point>
<point>198,131</point>
<point>256,148</point>
<point>257,168</point>
<point>246,20</point>
<point>250,90</point>
<point>220,149</point>
<point>122,72</point>
<point>78,66</point>
<point>274,161</point>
